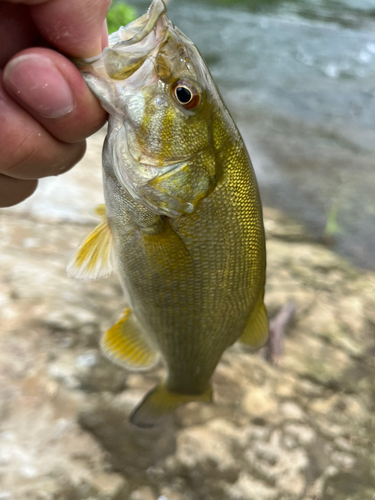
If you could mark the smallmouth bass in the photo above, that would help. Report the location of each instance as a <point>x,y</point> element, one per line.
<point>182,221</point>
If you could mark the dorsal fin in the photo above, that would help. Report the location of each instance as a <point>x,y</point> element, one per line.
<point>95,258</point>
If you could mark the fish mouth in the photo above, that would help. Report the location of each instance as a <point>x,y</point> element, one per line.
<point>131,45</point>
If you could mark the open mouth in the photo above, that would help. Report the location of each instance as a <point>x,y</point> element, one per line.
<point>132,44</point>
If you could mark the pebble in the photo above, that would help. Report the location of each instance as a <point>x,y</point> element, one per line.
<point>87,360</point>
<point>304,434</point>
<point>144,493</point>
<point>259,402</point>
<point>71,318</point>
<point>248,488</point>
<point>292,411</point>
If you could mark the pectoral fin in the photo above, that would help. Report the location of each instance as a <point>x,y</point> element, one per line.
<point>159,403</point>
<point>125,344</point>
<point>95,258</point>
<point>167,253</point>
<point>256,332</point>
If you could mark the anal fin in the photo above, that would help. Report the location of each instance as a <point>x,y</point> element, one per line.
<point>125,344</point>
<point>255,334</point>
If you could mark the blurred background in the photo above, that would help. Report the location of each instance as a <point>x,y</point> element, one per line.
<point>299,79</point>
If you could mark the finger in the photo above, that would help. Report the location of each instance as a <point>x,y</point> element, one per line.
<point>74,27</point>
<point>27,2</point>
<point>27,150</point>
<point>51,88</point>
<point>17,31</point>
<point>13,191</point>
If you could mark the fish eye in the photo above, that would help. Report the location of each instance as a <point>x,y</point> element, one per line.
<point>186,94</point>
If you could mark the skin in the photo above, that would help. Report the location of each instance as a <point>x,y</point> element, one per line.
<point>42,134</point>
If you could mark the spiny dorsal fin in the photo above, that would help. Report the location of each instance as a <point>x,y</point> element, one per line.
<point>256,332</point>
<point>95,258</point>
<point>159,403</point>
<point>125,344</point>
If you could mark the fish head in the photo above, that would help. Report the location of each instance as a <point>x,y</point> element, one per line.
<point>160,96</point>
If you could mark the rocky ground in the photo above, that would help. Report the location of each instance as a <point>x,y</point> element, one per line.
<point>304,429</point>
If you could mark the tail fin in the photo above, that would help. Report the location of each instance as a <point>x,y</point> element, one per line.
<point>159,403</point>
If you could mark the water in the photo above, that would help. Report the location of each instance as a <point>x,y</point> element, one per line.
<point>299,78</point>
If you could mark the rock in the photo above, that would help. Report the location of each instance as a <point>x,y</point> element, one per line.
<point>95,373</point>
<point>292,411</point>
<point>344,460</point>
<point>72,318</point>
<point>111,486</point>
<point>200,448</point>
<point>144,493</point>
<point>168,493</point>
<point>248,488</point>
<point>305,435</point>
<point>278,465</point>
<point>259,402</point>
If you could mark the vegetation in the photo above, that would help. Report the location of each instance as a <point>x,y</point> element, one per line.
<point>118,15</point>
<point>332,226</point>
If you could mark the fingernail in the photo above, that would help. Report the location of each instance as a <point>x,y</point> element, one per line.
<point>104,35</point>
<point>37,82</point>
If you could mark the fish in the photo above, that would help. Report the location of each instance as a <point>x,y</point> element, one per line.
<point>182,222</point>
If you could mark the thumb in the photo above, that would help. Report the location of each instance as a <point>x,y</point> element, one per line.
<point>74,27</point>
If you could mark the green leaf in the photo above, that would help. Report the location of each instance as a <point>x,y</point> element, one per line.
<point>118,15</point>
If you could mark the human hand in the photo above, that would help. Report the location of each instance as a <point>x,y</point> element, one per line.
<point>46,109</point>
